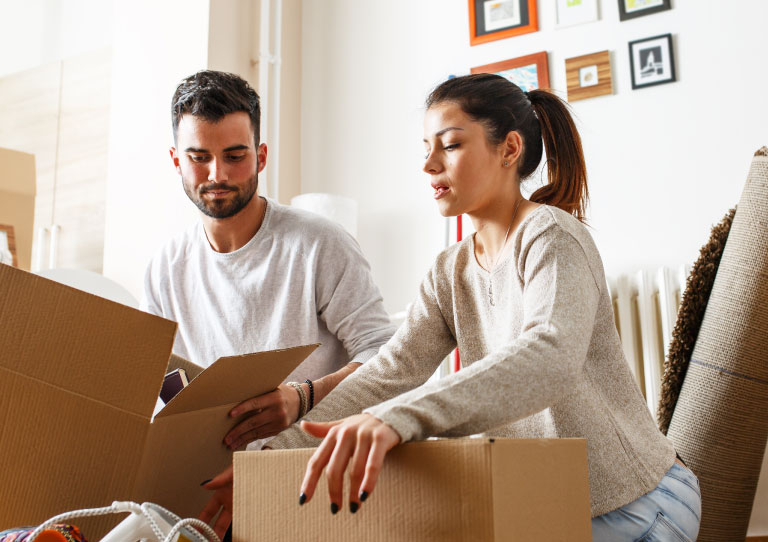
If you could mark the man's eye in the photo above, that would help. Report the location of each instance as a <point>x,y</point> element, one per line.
<point>197,158</point>
<point>236,157</point>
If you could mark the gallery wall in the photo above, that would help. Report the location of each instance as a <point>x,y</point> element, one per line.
<point>665,162</point>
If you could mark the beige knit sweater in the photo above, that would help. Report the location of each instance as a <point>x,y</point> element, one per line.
<point>544,361</point>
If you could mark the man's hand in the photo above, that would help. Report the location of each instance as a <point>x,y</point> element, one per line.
<point>221,499</point>
<point>269,415</point>
<point>361,441</point>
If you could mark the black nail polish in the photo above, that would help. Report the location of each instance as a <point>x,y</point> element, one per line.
<point>205,481</point>
<point>302,498</point>
<point>363,496</point>
<point>334,508</point>
<point>353,506</point>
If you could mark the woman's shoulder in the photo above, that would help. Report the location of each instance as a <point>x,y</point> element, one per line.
<point>553,222</point>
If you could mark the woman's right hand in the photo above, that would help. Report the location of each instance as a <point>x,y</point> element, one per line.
<point>221,499</point>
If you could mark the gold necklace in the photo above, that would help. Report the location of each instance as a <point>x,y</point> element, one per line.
<point>498,255</point>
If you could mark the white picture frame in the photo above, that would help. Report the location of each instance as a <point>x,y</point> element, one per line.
<point>573,12</point>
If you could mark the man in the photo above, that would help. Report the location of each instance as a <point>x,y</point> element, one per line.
<point>255,275</point>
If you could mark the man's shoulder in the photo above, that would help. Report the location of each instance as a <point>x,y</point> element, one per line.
<point>178,246</point>
<point>307,227</point>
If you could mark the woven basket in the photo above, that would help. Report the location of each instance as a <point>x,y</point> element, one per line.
<point>720,422</point>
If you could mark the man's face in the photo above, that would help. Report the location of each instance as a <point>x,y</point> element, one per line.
<point>218,162</point>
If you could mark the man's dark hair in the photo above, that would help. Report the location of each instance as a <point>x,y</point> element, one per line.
<point>211,95</point>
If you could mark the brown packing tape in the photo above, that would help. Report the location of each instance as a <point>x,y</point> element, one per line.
<point>462,489</point>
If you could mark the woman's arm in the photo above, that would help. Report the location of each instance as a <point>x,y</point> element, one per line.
<point>560,302</point>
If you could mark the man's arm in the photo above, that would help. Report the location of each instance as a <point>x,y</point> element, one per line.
<point>279,409</point>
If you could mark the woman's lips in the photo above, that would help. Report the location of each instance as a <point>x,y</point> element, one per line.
<point>441,191</point>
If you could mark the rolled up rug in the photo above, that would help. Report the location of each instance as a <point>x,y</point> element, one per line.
<point>720,422</point>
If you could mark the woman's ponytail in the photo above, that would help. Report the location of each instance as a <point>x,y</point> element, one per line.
<point>566,170</point>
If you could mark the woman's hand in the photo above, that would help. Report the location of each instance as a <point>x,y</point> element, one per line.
<point>221,499</point>
<point>361,441</point>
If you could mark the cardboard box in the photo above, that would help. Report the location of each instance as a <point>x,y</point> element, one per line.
<point>463,489</point>
<point>79,379</point>
<point>17,200</point>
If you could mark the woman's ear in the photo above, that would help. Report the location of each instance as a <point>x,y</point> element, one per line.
<point>512,148</point>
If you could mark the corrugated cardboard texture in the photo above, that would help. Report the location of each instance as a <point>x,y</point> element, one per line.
<point>553,473</point>
<point>17,200</point>
<point>184,446</point>
<point>232,379</point>
<point>436,490</point>
<point>79,376</point>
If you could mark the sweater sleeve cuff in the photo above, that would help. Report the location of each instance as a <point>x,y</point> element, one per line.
<point>407,429</point>
<point>365,355</point>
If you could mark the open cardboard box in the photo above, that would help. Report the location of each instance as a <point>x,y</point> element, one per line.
<point>79,379</point>
<point>476,489</point>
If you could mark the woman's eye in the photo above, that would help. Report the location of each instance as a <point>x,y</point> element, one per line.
<point>451,147</point>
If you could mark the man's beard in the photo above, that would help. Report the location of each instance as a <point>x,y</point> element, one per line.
<point>221,208</point>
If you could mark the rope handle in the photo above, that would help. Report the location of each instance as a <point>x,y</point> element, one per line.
<point>119,507</point>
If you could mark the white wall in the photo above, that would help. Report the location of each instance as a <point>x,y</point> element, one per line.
<point>665,162</point>
<point>35,32</point>
<point>155,45</point>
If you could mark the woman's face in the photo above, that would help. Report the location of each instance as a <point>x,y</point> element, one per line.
<point>466,170</point>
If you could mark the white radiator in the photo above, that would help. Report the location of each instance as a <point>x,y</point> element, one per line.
<point>645,307</point>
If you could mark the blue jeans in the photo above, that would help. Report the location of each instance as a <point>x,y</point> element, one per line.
<point>671,512</point>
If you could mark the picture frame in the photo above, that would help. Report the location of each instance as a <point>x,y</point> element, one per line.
<point>491,20</point>
<point>529,72</point>
<point>630,9</point>
<point>8,242</point>
<point>573,12</point>
<point>588,76</point>
<point>652,61</point>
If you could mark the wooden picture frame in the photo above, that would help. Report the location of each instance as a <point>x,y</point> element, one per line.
<point>630,9</point>
<point>588,76</point>
<point>652,61</point>
<point>528,72</point>
<point>8,239</point>
<point>573,12</point>
<point>491,20</point>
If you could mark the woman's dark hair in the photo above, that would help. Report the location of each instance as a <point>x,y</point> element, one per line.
<point>211,95</point>
<point>538,116</point>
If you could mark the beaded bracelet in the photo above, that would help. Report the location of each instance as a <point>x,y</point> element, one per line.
<point>302,399</point>
<point>311,394</point>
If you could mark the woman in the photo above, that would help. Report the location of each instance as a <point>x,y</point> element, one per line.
<point>526,302</point>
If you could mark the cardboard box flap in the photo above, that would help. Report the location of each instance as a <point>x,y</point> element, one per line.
<point>236,378</point>
<point>177,362</point>
<point>82,343</point>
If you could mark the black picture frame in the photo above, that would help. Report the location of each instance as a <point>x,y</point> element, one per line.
<point>652,61</point>
<point>626,13</point>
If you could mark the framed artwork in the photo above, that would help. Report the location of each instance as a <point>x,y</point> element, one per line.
<point>652,61</point>
<point>588,76</point>
<point>572,12</point>
<point>491,20</point>
<point>629,9</point>
<point>527,72</point>
<point>8,245</point>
